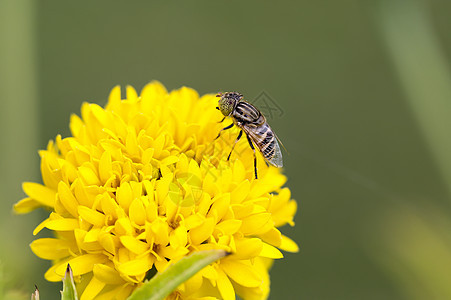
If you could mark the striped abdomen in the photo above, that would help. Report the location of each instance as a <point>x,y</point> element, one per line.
<point>265,140</point>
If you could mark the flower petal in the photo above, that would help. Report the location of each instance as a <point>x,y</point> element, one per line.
<point>270,252</point>
<point>68,200</point>
<point>26,205</point>
<point>247,248</point>
<point>288,245</point>
<point>133,244</point>
<point>202,232</point>
<point>92,289</point>
<point>256,223</point>
<point>107,274</point>
<point>92,216</point>
<point>82,264</point>
<point>50,248</point>
<point>136,267</point>
<point>242,273</point>
<point>62,224</point>
<point>225,286</point>
<point>40,193</point>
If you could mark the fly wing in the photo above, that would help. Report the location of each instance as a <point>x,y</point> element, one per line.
<point>264,138</point>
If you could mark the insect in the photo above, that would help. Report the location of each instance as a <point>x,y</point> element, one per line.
<point>250,120</point>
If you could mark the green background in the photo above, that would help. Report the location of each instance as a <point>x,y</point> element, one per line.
<point>363,97</point>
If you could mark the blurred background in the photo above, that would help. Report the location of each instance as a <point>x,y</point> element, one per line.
<point>358,91</point>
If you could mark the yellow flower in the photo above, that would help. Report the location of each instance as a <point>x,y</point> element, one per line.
<point>142,183</point>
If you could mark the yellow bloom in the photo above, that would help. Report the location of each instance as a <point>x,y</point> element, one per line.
<point>142,183</point>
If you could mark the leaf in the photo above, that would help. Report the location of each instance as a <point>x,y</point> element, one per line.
<point>162,284</point>
<point>35,294</point>
<point>69,292</point>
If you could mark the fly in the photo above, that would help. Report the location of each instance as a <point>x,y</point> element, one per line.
<point>250,120</point>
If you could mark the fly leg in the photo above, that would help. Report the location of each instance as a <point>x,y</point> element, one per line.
<point>255,157</point>
<point>225,128</point>
<point>236,141</point>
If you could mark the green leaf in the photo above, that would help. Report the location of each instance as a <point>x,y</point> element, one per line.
<point>69,292</point>
<point>162,284</point>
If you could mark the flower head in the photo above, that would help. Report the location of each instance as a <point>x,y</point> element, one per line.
<point>142,183</point>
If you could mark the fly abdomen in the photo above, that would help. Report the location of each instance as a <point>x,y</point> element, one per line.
<point>267,148</point>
